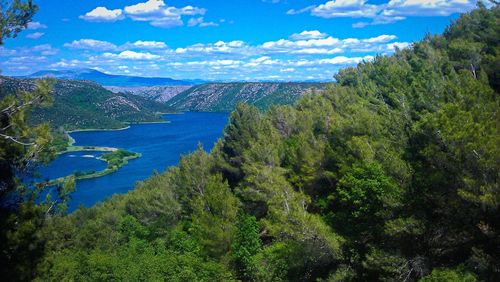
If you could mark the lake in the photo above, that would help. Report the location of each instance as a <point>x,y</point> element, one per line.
<point>161,145</point>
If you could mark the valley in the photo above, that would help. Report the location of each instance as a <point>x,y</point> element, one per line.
<point>264,140</point>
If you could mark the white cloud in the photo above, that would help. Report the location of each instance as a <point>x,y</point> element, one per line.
<point>4,52</point>
<point>91,44</point>
<point>159,14</point>
<point>219,47</point>
<point>36,25</point>
<point>200,22</point>
<point>345,8</point>
<point>35,35</point>
<point>150,44</point>
<point>148,7</point>
<point>327,45</point>
<point>132,55</point>
<point>427,7</point>
<point>44,49</point>
<point>398,45</point>
<point>300,11</point>
<point>103,14</point>
<point>380,39</point>
<point>386,13</point>
<point>195,21</point>
<point>308,34</point>
<point>156,12</point>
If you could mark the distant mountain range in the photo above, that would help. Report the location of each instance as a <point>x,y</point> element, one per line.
<point>111,79</point>
<point>223,97</point>
<point>85,104</point>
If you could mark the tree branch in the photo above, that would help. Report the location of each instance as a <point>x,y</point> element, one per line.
<point>8,137</point>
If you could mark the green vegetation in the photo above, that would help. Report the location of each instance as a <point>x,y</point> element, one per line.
<point>118,158</point>
<point>391,174</point>
<point>115,158</point>
<point>223,97</point>
<point>86,105</point>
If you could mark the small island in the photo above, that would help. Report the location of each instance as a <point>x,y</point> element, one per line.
<point>115,158</point>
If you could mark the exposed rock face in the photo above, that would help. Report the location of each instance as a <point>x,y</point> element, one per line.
<point>157,93</point>
<point>225,96</point>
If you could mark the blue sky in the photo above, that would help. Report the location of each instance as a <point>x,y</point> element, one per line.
<point>221,39</point>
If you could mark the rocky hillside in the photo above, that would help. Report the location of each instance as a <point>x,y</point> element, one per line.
<point>223,97</point>
<point>84,104</point>
<point>157,93</point>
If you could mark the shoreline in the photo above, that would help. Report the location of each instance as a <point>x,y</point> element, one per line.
<point>123,128</point>
<point>97,129</point>
<point>95,174</point>
<point>149,122</point>
<point>73,149</point>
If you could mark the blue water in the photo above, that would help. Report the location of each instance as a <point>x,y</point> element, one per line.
<point>161,145</point>
<point>69,163</point>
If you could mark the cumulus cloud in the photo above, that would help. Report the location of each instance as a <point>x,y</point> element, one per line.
<point>219,47</point>
<point>91,44</point>
<point>159,14</point>
<point>103,14</point>
<point>36,25</point>
<point>308,52</point>
<point>304,43</point>
<point>308,34</point>
<point>200,22</point>
<point>324,44</point>
<point>345,8</point>
<point>155,12</point>
<point>386,13</point>
<point>427,7</point>
<point>35,35</point>
<point>149,44</point>
<point>44,49</point>
<point>132,55</point>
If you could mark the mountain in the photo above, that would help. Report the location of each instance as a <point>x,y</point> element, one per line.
<point>223,97</point>
<point>85,104</point>
<point>156,93</point>
<point>110,79</point>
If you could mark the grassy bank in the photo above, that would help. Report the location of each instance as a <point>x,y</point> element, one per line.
<point>115,159</point>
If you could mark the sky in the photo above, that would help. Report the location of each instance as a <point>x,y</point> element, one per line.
<point>232,40</point>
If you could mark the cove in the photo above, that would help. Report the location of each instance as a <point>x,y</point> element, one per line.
<point>160,145</point>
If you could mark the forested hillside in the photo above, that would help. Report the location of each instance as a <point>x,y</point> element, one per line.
<point>84,104</point>
<point>223,97</point>
<point>391,174</point>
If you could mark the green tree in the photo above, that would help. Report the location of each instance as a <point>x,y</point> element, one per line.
<point>14,17</point>
<point>245,246</point>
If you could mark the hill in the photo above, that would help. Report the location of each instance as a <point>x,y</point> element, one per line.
<point>157,93</point>
<point>84,104</point>
<point>223,97</point>
<point>110,79</point>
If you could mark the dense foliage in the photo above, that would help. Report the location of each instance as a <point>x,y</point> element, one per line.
<point>117,158</point>
<point>391,174</point>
